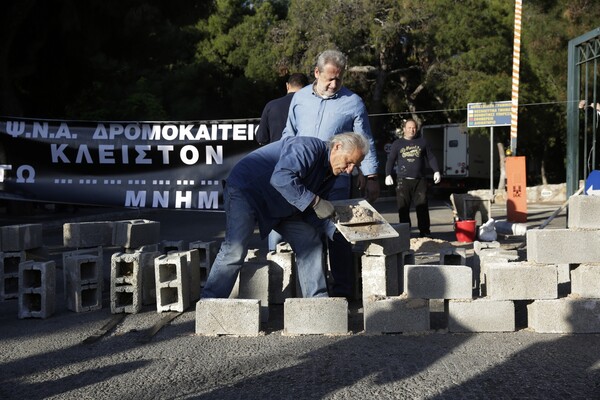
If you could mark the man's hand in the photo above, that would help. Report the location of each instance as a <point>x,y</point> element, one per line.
<point>389,181</point>
<point>323,208</point>
<point>437,178</point>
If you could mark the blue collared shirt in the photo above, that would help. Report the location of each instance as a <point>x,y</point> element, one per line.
<point>311,115</point>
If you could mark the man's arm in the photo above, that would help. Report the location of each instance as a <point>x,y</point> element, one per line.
<point>262,133</point>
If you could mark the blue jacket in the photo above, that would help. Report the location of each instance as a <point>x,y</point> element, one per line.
<point>281,179</point>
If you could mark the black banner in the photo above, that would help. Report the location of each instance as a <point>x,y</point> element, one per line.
<point>177,165</point>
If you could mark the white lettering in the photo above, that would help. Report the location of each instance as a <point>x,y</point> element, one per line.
<point>57,152</point>
<point>115,130</point>
<point>25,174</point>
<point>195,154</point>
<point>106,154</point>
<point>141,151</point>
<point>208,201</point>
<point>100,133</point>
<point>165,150</point>
<point>132,131</point>
<point>160,198</point>
<point>63,132</point>
<point>40,130</point>
<point>183,199</point>
<point>135,200</point>
<point>83,151</point>
<point>15,128</point>
<point>216,155</point>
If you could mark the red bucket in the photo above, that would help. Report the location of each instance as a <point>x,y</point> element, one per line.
<point>465,230</point>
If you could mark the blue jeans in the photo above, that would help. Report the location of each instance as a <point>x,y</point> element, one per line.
<point>274,238</point>
<point>304,239</point>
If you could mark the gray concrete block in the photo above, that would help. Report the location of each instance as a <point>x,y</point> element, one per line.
<point>228,317</point>
<point>585,281</point>
<point>207,251</point>
<point>282,276</point>
<point>172,282</point>
<point>134,233</point>
<point>565,315</point>
<point>125,283</point>
<point>168,246</point>
<point>480,315</point>
<point>9,274</point>
<point>478,246</point>
<point>584,212</point>
<point>83,282</point>
<point>522,281</point>
<point>453,256</point>
<point>194,274</point>
<point>88,234</point>
<point>438,281</point>
<point>37,289</point>
<point>21,237</point>
<point>315,316</point>
<point>389,246</point>
<point>380,276</point>
<point>396,315</point>
<point>96,252</point>
<point>253,283</point>
<point>550,246</point>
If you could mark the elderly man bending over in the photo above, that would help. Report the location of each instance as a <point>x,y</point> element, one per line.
<point>283,186</point>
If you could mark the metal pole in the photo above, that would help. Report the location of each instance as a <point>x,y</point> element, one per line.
<point>492,162</point>
<point>514,111</point>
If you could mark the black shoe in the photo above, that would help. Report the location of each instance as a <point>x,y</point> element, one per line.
<point>425,235</point>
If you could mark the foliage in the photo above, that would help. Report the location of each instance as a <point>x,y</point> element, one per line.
<point>224,59</point>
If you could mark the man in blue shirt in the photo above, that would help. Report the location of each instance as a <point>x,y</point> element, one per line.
<point>324,109</point>
<point>284,186</point>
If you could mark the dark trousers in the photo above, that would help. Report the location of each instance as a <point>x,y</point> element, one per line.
<point>340,251</point>
<point>413,191</point>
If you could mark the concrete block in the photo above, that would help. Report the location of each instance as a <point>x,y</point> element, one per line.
<point>172,282</point>
<point>282,275</point>
<point>396,315</point>
<point>480,315</point>
<point>21,237</point>
<point>37,289</point>
<point>9,274</point>
<point>522,281</point>
<point>83,282</point>
<point>585,281</point>
<point>405,258</point>
<point>389,246</point>
<point>566,315</point>
<point>549,246</point>
<point>438,281</point>
<point>380,276</point>
<point>584,212</point>
<point>315,316</point>
<point>88,234</point>
<point>253,283</point>
<point>478,246</point>
<point>96,252</point>
<point>135,233</point>
<point>453,256</point>
<point>228,317</point>
<point>194,273</point>
<point>207,251</point>
<point>283,247</point>
<point>168,246</point>
<point>125,283</point>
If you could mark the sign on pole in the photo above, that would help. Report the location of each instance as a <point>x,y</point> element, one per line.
<point>480,115</point>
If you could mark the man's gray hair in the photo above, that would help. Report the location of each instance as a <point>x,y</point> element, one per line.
<point>334,57</point>
<point>351,141</point>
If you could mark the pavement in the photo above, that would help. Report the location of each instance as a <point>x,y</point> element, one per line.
<point>97,355</point>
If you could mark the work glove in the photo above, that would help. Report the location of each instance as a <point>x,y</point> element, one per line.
<point>389,181</point>
<point>323,208</point>
<point>437,178</point>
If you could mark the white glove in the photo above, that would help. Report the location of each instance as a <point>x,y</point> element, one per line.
<point>323,208</point>
<point>437,178</point>
<point>389,181</point>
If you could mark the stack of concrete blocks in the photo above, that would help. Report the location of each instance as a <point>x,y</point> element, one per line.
<point>453,256</point>
<point>173,284</point>
<point>383,274</point>
<point>315,316</point>
<point>486,254</point>
<point>132,274</point>
<point>238,317</point>
<point>282,274</point>
<point>253,282</point>
<point>168,246</point>
<point>15,241</point>
<point>37,289</point>
<point>579,247</point>
<point>83,268</point>
<point>207,251</point>
<point>126,282</point>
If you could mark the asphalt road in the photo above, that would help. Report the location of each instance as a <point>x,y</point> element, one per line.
<point>50,358</point>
